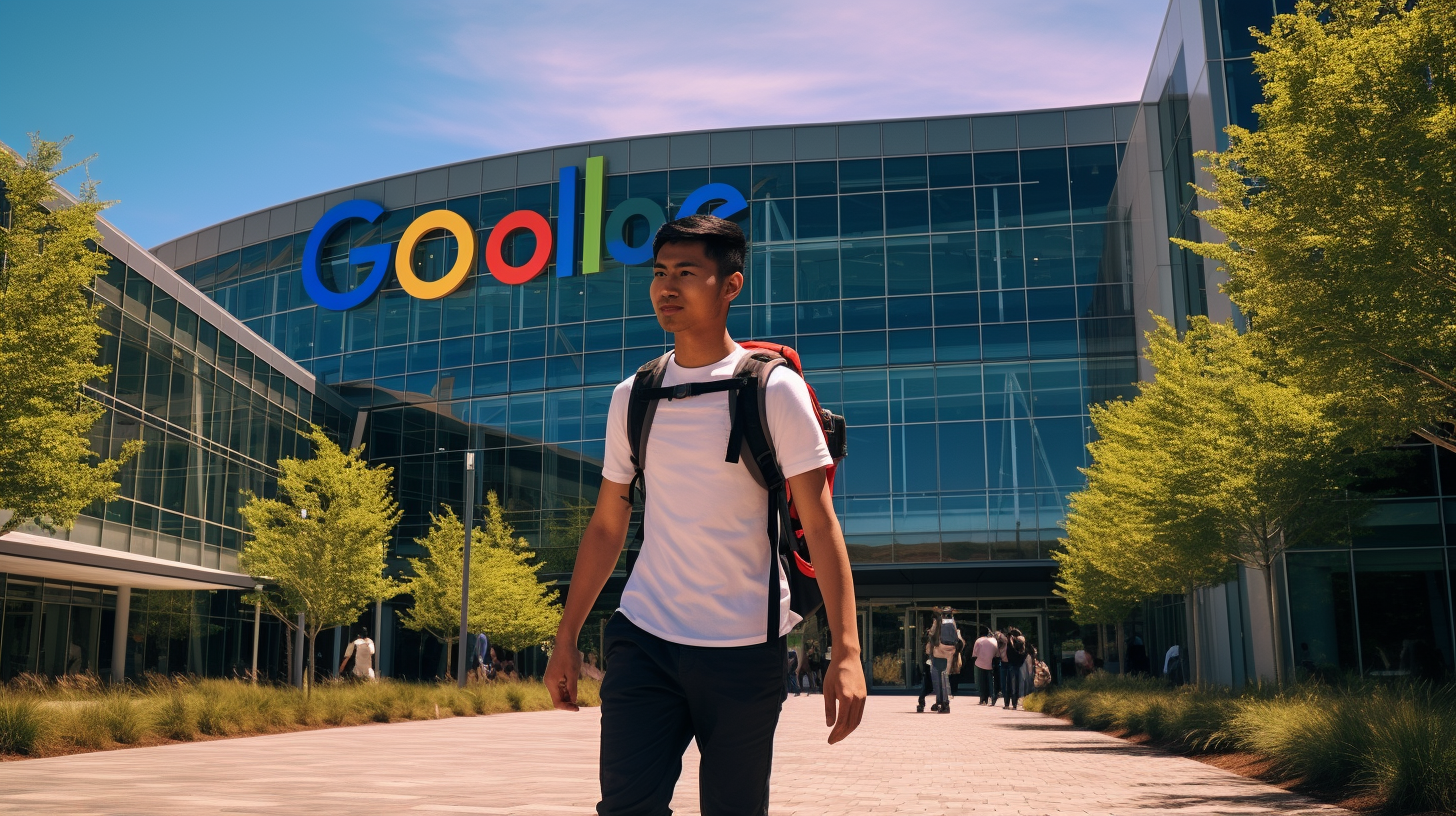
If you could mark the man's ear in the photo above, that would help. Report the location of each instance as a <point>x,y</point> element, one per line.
<point>733,285</point>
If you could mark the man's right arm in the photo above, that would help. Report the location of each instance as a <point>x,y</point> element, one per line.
<point>601,544</point>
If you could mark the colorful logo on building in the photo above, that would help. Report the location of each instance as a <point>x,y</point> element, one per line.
<point>567,244</point>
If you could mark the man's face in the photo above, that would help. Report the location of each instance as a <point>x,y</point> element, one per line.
<point>688,291</point>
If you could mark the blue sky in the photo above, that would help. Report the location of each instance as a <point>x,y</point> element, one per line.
<point>199,112</point>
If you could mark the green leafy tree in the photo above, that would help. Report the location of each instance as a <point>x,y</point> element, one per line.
<point>1219,461</point>
<point>1338,211</point>
<point>49,338</point>
<point>507,599</point>
<point>320,544</point>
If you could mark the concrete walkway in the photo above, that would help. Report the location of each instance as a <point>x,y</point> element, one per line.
<point>972,760</point>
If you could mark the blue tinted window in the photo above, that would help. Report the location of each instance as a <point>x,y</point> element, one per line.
<point>528,375</point>
<point>358,366</point>
<point>1056,389</point>
<point>300,334</point>
<point>489,379</point>
<point>1112,300</point>
<point>595,404</point>
<point>1244,92</point>
<point>568,299</point>
<point>905,173</point>
<point>773,181</point>
<point>818,217</point>
<point>633,359</point>
<point>1060,443</point>
<point>859,176</point>
<point>1003,306</point>
<point>769,321</point>
<point>907,266</point>
<point>495,206</point>
<point>962,456</point>
<point>913,459</point>
<point>456,353</point>
<point>254,260</point>
<point>424,357</point>
<point>1051,304</point>
<point>951,171</point>
<point>391,361</point>
<point>739,177</point>
<point>1236,17</point>
<point>564,371</point>
<point>651,186</point>
<point>394,309</point>
<point>817,317</point>
<point>911,346</point>
<point>1087,251</point>
<point>255,299</point>
<point>681,184</point>
<point>818,271</point>
<point>773,221</point>
<point>957,344</point>
<point>526,414</point>
<point>864,314</point>
<point>1004,341</point>
<point>908,312</point>
<point>530,303</point>
<point>528,344</point>
<point>423,383</point>
<point>869,470</point>
<point>958,392</point>
<point>906,213</point>
<point>859,215</point>
<point>1044,189</point>
<point>566,339</point>
<point>492,305</point>
<point>1054,339</point>
<point>863,268</point>
<point>1010,463</point>
<point>771,275</point>
<point>864,348</point>
<point>1094,175</point>
<point>643,331</point>
<point>740,320</point>
<point>492,348</point>
<point>819,351</point>
<point>604,293</point>
<point>951,310</point>
<point>563,416</point>
<point>998,207</point>
<point>816,178</point>
<point>953,261</point>
<point>424,320</point>
<point>997,168</point>
<point>603,367</point>
<point>1048,256</point>
<point>326,369</point>
<point>912,394</point>
<point>454,384</point>
<point>1001,263</point>
<point>953,210</point>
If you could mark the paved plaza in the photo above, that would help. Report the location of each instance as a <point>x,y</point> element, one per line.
<point>973,760</point>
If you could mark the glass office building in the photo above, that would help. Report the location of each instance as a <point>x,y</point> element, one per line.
<point>944,279</point>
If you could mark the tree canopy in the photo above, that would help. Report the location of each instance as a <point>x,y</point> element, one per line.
<point>326,563</point>
<point>49,338</point>
<point>1339,211</point>
<point>507,599</point>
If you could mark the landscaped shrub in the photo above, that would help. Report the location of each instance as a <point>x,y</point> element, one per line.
<point>1397,742</point>
<point>21,724</point>
<point>123,721</point>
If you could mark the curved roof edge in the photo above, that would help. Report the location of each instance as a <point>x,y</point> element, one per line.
<point>1081,124</point>
<point>164,277</point>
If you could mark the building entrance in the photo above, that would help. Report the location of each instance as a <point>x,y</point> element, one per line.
<point>893,635</point>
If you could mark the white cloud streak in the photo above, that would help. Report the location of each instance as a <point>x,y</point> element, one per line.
<point>518,76</point>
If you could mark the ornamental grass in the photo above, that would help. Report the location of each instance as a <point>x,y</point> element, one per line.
<point>44,718</point>
<point>1395,743</point>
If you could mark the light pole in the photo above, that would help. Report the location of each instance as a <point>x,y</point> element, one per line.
<point>257,622</point>
<point>465,564</point>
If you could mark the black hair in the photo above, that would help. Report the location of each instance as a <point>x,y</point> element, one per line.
<point>363,631</point>
<point>722,240</point>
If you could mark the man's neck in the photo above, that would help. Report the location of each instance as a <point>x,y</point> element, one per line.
<point>698,349</point>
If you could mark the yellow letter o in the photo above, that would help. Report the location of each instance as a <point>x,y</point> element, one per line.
<point>404,267</point>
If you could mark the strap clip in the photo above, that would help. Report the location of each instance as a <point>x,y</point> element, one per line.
<point>681,391</point>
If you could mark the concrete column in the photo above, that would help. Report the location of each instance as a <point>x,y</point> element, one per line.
<point>379,638</point>
<point>118,634</point>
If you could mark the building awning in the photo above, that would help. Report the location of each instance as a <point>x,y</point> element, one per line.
<point>959,579</point>
<point>42,557</point>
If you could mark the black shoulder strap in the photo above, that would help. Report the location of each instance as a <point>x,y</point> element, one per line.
<point>748,413</point>
<point>641,408</point>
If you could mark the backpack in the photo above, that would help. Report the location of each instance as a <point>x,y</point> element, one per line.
<point>949,635</point>
<point>749,441</point>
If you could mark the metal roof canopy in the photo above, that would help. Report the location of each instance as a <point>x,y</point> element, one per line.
<point>41,557</point>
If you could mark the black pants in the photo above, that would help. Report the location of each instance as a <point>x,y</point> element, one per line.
<point>658,695</point>
<point>1013,685</point>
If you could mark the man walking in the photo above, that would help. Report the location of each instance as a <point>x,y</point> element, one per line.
<point>690,654</point>
<point>361,648</point>
<point>984,653</point>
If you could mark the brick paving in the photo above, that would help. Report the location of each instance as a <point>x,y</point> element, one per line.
<point>972,760</point>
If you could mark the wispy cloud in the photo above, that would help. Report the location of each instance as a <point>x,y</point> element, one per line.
<point>526,75</point>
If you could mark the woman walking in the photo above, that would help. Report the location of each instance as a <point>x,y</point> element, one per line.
<point>1016,654</point>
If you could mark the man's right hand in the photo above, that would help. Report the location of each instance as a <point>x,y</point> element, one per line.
<point>561,675</point>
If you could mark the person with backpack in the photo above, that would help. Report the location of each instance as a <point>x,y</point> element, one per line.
<point>735,543</point>
<point>1016,654</point>
<point>946,641</point>
<point>983,653</point>
<point>793,675</point>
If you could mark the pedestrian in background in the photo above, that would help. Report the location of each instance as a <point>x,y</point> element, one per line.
<point>1016,654</point>
<point>793,667</point>
<point>998,667</point>
<point>983,653</point>
<point>361,650</point>
<point>945,637</point>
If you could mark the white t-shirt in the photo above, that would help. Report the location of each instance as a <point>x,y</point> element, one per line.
<point>702,576</point>
<point>362,650</point>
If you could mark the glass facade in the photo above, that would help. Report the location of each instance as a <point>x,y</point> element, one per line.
<point>955,307</point>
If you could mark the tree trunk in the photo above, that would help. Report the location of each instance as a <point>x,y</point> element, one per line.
<point>1191,668</point>
<point>312,659</point>
<point>1121,651</point>
<point>288,652</point>
<point>1276,637</point>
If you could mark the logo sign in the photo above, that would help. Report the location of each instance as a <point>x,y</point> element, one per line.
<point>566,242</point>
